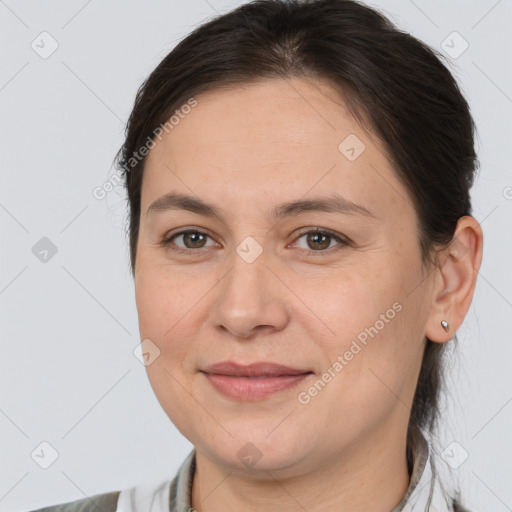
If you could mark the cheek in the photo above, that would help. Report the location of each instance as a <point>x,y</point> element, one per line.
<point>366,382</point>
<point>162,297</point>
<point>367,336</point>
<point>163,301</point>
<point>351,304</point>
<point>172,309</point>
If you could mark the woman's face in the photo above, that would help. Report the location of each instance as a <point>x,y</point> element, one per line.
<point>253,283</point>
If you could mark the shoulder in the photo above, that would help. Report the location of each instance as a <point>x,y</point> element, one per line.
<point>106,502</point>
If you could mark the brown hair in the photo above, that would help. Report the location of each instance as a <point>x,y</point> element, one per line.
<point>395,85</point>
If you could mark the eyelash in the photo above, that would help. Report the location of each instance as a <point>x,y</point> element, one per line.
<point>342,241</point>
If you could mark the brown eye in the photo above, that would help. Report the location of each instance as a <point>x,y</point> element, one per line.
<point>194,239</point>
<point>190,240</point>
<point>320,241</point>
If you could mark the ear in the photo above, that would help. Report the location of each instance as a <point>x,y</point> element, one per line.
<point>455,280</point>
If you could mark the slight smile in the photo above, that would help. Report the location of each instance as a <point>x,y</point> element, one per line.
<point>255,381</point>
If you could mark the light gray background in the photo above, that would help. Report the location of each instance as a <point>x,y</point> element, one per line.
<point>68,375</point>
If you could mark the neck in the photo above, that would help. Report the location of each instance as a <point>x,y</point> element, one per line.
<point>375,476</point>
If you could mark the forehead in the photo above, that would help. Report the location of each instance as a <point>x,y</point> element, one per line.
<point>277,115</point>
<point>268,139</point>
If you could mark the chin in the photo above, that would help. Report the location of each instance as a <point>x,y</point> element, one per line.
<point>253,451</point>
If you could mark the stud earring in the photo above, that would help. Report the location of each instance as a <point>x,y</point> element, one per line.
<point>445,325</point>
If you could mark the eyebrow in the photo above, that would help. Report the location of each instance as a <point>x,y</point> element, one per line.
<point>330,204</point>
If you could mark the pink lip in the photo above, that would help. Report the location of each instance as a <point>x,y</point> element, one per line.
<point>252,382</point>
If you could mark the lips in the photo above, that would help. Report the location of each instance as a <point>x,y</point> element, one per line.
<point>256,381</point>
<point>263,369</point>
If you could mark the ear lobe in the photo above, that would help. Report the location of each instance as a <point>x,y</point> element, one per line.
<point>456,280</point>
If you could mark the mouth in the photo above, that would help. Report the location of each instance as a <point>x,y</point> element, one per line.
<point>252,382</point>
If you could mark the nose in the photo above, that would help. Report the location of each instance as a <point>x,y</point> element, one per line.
<point>250,300</point>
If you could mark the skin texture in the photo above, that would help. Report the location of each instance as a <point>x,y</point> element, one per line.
<point>247,150</point>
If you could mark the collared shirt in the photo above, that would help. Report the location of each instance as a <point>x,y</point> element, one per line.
<point>424,494</point>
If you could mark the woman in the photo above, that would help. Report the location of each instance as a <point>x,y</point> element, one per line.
<point>303,249</point>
